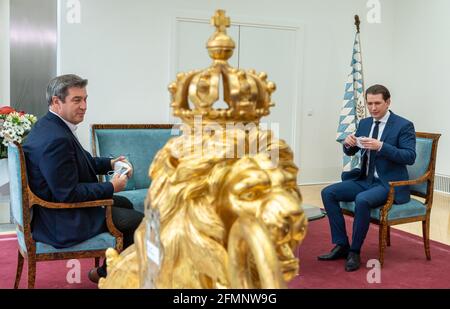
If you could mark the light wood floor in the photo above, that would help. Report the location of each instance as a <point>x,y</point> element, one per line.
<point>440,214</point>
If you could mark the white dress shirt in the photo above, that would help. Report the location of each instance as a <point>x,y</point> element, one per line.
<point>381,126</point>
<point>71,126</point>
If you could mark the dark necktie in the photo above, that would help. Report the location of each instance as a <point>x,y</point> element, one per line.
<point>373,153</point>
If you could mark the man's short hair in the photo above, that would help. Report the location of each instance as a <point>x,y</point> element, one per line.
<point>59,86</point>
<point>379,89</point>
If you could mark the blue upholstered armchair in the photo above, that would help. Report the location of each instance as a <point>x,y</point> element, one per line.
<point>421,175</point>
<point>139,143</point>
<point>22,203</point>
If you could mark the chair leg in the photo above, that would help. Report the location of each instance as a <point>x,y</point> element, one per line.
<point>97,261</point>
<point>382,242</point>
<point>31,272</point>
<point>426,237</point>
<point>19,269</point>
<point>388,238</point>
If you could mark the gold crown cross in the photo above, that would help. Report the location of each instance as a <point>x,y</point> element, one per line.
<point>247,94</point>
<point>220,21</point>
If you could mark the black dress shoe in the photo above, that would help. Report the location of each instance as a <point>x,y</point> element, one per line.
<point>338,252</point>
<point>353,261</point>
<point>95,274</point>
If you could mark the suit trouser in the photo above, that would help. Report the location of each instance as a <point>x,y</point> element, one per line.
<point>126,220</point>
<point>366,197</point>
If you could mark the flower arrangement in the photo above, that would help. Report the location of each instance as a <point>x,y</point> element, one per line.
<point>14,127</point>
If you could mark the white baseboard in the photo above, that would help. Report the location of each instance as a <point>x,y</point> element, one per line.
<point>316,183</point>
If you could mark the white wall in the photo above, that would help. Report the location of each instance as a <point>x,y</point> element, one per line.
<point>4,53</point>
<point>124,49</point>
<point>422,69</point>
<point>4,100</point>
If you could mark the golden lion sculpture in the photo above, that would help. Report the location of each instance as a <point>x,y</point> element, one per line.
<point>200,198</point>
<point>224,193</point>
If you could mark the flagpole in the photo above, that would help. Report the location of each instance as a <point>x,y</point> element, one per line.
<point>353,106</point>
<point>357,24</point>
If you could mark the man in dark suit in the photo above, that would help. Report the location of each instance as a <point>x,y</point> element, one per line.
<point>60,170</point>
<point>384,155</point>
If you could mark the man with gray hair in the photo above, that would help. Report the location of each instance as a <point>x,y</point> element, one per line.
<point>60,170</point>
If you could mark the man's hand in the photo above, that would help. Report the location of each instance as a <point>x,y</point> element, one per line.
<point>371,143</point>
<point>119,182</point>
<point>350,141</point>
<point>123,159</point>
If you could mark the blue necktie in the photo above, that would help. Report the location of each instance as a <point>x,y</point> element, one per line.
<point>373,153</point>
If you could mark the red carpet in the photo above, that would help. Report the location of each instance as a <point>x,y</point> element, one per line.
<point>405,264</point>
<point>49,275</point>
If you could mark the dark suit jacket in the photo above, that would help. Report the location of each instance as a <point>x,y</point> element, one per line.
<point>60,170</point>
<point>399,150</point>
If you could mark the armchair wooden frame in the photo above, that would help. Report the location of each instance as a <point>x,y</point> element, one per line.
<point>28,200</point>
<point>385,224</point>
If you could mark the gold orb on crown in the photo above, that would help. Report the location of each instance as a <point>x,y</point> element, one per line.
<point>246,92</point>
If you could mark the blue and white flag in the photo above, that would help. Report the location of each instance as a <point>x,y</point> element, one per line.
<point>353,107</point>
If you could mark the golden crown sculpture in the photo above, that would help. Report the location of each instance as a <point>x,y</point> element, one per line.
<point>214,220</point>
<point>247,93</point>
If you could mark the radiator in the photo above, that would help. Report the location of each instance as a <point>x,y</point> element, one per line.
<point>442,183</point>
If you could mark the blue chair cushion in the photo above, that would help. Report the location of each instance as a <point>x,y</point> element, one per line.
<point>423,156</point>
<point>99,242</point>
<point>136,197</point>
<point>15,183</point>
<point>413,208</point>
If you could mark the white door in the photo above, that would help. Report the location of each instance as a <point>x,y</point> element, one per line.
<point>274,51</point>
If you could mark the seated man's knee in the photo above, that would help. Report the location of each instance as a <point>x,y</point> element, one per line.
<point>330,191</point>
<point>137,219</point>
<point>361,202</point>
<point>326,192</point>
<point>329,195</point>
<point>122,202</point>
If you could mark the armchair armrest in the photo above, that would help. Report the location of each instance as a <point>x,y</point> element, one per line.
<point>392,184</point>
<point>416,181</point>
<point>113,230</point>
<point>37,200</point>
